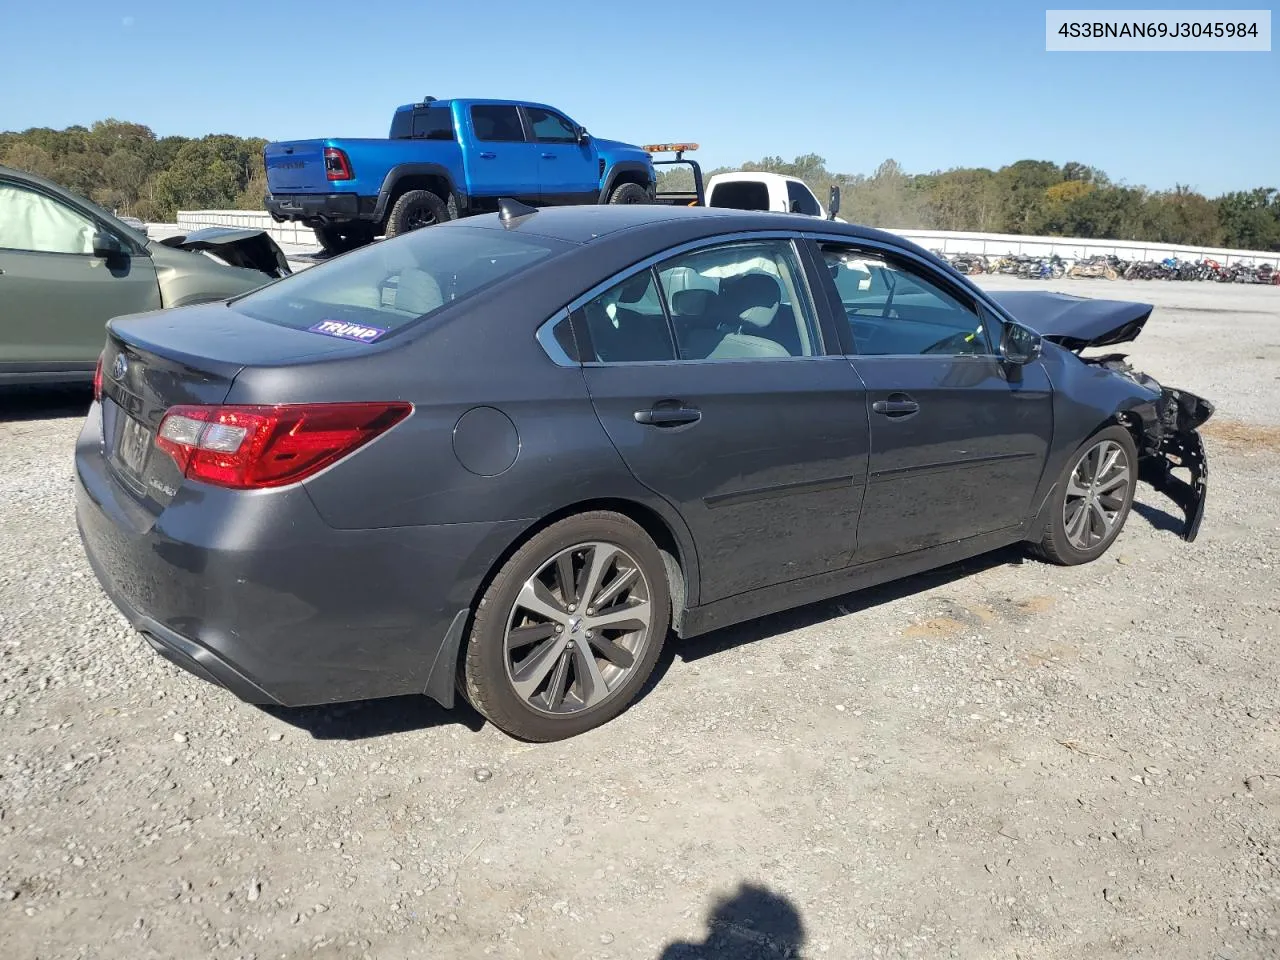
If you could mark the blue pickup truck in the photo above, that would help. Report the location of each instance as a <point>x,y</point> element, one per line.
<point>446,159</point>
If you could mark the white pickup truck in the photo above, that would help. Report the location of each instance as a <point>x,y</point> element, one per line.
<point>756,190</point>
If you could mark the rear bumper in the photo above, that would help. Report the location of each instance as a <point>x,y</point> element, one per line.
<point>259,595</point>
<point>320,208</point>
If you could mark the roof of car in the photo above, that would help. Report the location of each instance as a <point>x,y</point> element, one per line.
<point>584,223</point>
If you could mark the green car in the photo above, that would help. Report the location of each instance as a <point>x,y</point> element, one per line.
<point>67,267</point>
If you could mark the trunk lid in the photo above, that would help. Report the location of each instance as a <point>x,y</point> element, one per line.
<point>191,355</point>
<point>1075,322</point>
<point>296,166</point>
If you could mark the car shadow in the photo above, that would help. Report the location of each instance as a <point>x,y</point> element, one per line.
<point>755,923</point>
<point>19,402</point>
<point>368,719</point>
<point>727,638</point>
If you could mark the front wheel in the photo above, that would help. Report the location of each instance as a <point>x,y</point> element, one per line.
<point>629,193</point>
<point>416,209</point>
<point>569,630</point>
<point>1092,499</point>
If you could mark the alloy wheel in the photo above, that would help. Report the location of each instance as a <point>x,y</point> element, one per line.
<point>1097,489</point>
<point>577,629</point>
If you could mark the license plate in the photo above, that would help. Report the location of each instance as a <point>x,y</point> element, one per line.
<point>135,444</point>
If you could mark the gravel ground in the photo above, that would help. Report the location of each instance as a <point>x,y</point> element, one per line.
<point>1002,759</point>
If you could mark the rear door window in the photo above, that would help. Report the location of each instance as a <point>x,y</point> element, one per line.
<point>434,123</point>
<point>496,123</point>
<point>387,286</point>
<point>740,195</point>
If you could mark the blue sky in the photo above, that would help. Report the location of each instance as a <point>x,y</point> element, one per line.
<point>930,84</point>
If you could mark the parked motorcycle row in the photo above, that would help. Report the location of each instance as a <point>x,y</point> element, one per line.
<point>1111,268</point>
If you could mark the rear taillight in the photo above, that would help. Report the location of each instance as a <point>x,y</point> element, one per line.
<point>249,447</point>
<point>336,164</point>
<point>97,379</point>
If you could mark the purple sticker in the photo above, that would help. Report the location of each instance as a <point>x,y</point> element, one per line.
<point>348,331</point>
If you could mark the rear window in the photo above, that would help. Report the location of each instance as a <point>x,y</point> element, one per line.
<point>434,123</point>
<point>740,195</point>
<point>391,284</point>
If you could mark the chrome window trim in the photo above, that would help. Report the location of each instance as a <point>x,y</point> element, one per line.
<point>546,338</point>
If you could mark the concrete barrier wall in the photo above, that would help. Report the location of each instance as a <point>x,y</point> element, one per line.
<point>990,244</point>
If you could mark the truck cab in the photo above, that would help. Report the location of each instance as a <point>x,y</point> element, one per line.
<point>445,159</point>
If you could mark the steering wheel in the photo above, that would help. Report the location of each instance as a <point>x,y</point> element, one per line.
<point>956,343</point>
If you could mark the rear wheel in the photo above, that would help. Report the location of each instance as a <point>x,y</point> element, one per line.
<point>1092,499</point>
<point>414,210</point>
<point>629,193</point>
<point>569,630</point>
<point>338,238</point>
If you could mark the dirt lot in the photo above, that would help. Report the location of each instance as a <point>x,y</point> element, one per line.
<point>995,761</point>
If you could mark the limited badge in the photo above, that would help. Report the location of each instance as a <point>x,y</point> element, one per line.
<point>347,331</point>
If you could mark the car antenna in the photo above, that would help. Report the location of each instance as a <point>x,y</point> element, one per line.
<point>511,211</point>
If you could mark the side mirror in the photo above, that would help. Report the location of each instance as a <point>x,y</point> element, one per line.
<point>583,136</point>
<point>107,246</point>
<point>833,204</point>
<point>1020,345</point>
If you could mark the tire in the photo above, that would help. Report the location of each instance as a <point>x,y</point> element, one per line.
<point>1064,546</point>
<point>416,209</point>
<point>629,193</point>
<point>490,671</point>
<point>338,238</point>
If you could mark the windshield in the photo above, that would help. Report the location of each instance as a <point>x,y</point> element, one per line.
<point>392,283</point>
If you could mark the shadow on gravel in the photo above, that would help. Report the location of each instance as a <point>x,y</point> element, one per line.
<point>43,403</point>
<point>1160,519</point>
<point>365,719</point>
<point>730,637</point>
<point>753,924</point>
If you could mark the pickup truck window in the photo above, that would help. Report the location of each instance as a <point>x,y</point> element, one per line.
<point>740,195</point>
<point>434,123</point>
<point>800,200</point>
<point>496,123</point>
<point>388,286</point>
<point>549,127</point>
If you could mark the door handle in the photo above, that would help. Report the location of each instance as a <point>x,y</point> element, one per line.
<point>668,416</point>
<point>548,156</point>
<point>898,405</point>
<point>486,155</point>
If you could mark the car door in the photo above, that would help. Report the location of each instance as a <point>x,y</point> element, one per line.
<point>568,171</point>
<point>958,442</point>
<point>501,161</point>
<point>709,374</point>
<point>55,295</point>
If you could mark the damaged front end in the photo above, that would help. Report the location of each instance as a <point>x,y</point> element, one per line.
<point>1171,441</point>
<point>247,248</point>
<point>1167,427</point>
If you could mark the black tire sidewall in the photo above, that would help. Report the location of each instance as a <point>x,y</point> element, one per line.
<point>484,666</point>
<point>623,193</point>
<point>1068,553</point>
<point>399,216</point>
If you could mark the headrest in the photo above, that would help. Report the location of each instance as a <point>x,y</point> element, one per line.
<point>635,288</point>
<point>418,292</point>
<point>754,298</point>
<point>690,303</point>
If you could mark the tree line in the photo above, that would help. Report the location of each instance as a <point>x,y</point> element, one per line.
<point>1033,197</point>
<point>125,167</point>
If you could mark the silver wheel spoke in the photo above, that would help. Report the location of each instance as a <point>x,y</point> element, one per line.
<point>528,676</point>
<point>1113,481</point>
<point>559,683</point>
<point>619,656</point>
<point>591,683</point>
<point>615,587</point>
<point>536,598</point>
<point>1074,487</point>
<point>598,561</point>
<point>1104,518</point>
<point>624,617</point>
<point>564,578</point>
<point>1076,522</point>
<point>523,636</point>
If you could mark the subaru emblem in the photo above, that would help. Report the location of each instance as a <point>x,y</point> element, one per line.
<point>120,367</point>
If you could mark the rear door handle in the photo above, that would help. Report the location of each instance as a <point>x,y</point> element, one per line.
<point>668,416</point>
<point>488,156</point>
<point>548,156</point>
<point>898,405</point>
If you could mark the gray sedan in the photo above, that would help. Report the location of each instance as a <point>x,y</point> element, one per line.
<point>507,455</point>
